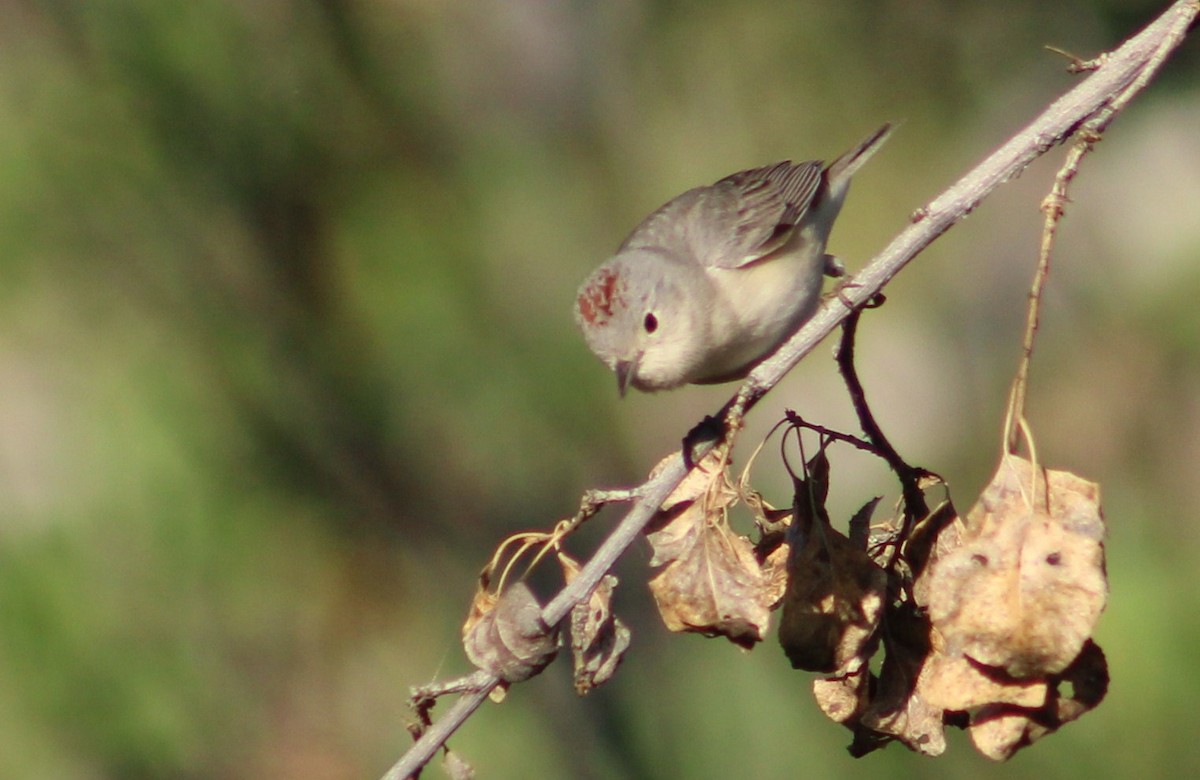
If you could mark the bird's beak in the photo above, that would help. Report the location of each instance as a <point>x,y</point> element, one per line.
<point>625,370</point>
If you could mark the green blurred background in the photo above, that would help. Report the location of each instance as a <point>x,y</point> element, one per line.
<point>286,349</point>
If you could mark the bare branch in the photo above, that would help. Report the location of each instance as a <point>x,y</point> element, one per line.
<point>1115,79</point>
<point>436,735</point>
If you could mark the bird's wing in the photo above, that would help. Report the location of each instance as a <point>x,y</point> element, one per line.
<point>752,213</point>
<point>734,222</point>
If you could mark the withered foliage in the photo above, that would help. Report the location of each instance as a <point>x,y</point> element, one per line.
<point>987,620</point>
<point>1012,607</point>
<point>708,580</point>
<point>916,622</point>
<point>598,637</point>
<point>1024,588</point>
<point>830,614</point>
<point>505,633</point>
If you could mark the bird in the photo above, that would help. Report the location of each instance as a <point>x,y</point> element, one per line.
<point>715,280</point>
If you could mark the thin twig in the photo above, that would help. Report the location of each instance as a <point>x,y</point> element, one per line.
<point>915,506</point>
<point>436,735</point>
<point>1104,93</point>
<point>829,433</point>
<point>1054,206</point>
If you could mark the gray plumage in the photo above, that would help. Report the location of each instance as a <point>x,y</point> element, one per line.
<point>717,278</point>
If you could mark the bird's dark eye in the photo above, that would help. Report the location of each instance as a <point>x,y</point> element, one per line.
<point>650,323</point>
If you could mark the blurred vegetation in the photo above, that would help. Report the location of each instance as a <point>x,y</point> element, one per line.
<point>285,348</point>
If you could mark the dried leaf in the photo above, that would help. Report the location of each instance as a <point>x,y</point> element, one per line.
<point>1000,730</point>
<point>710,581</point>
<point>598,637</point>
<point>898,708</point>
<point>835,592</point>
<point>932,539</point>
<point>844,698</point>
<point>507,636</point>
<point>774,575</point>
<point>705,492</point>
<point>860,523</point>
<point>958,683</point>
<point>832,605</point>
<point>1024,590</point>
<point>713,585</point>
<point>916,724</point>
<point>831,608</point>
<point>710,476</point>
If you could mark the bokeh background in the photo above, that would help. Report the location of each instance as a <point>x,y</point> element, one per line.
<point>286,349</point>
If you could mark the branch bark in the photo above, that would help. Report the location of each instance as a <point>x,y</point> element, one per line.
<point>1116,79</point>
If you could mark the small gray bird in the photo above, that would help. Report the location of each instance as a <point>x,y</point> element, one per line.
<point>718,278</point>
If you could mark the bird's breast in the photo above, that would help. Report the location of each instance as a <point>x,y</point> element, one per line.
<point>757,307</point>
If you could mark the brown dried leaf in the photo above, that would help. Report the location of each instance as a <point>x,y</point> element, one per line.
<point>835,592</point>
<point>834,597</point>
<point>1024,590</point>
<point>1000,730</point>
<point>709,478</point>
<point>898,708</point>
<point>710,581</point>
<point>598,637</point>
<point>704,492</point>
<point>507,636</point>
<point>714,585</point>
<point>932,539</point>
<point>958,683</point>
<point>916,724</point>
<point>844,698</point>
<point>774,576</point>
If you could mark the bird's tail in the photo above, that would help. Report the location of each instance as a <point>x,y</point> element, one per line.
<point>845,166</point>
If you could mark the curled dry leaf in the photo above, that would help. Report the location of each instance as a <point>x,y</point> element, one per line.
<point>774,575</point>
<point>957,683</point>
<point>1000,730</point>
<point>506,635</point>
<point>832,604</point>
<point>898,709</point>
<point>844,698</point>
<point>1023,591</point>
<point>860,523</point>
<point>710,581</point>
<point>835,592</point>
<point>1013,594</point>
<point>932,538</point>
<point>598,637</point>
